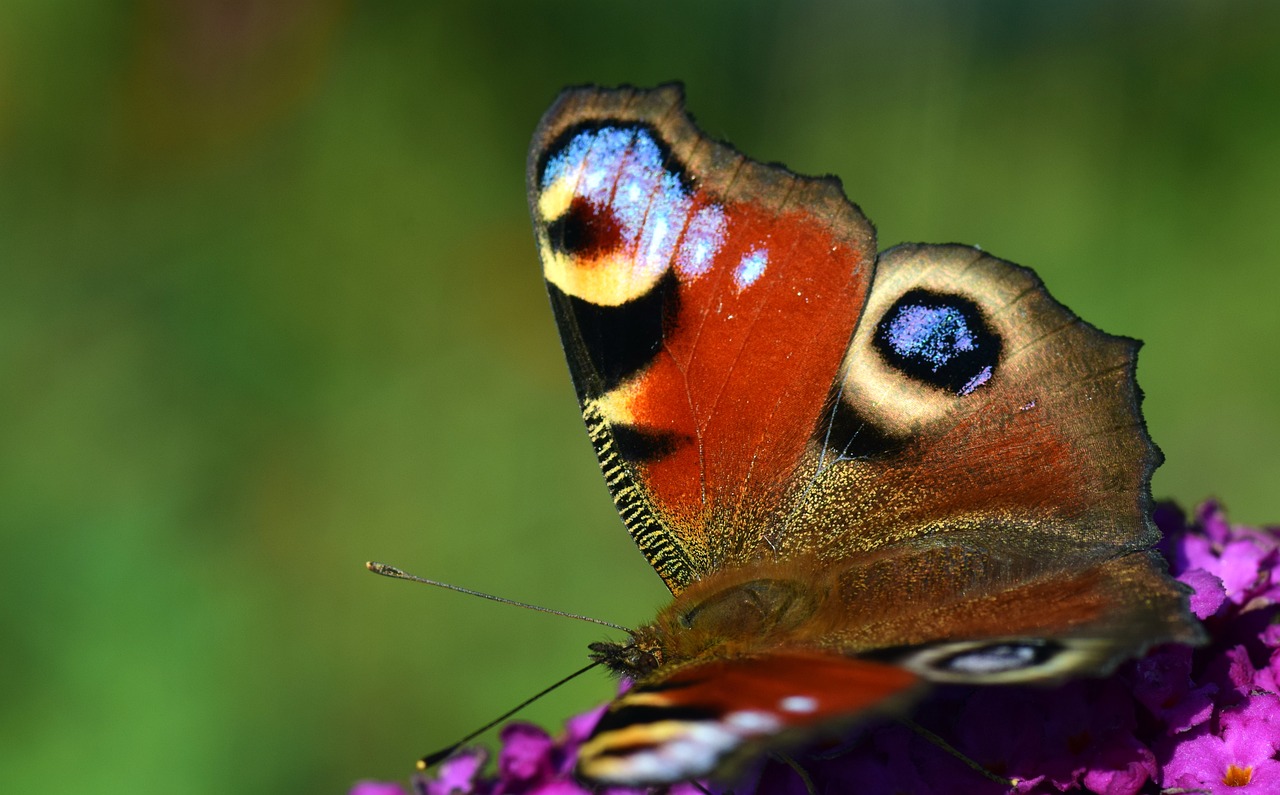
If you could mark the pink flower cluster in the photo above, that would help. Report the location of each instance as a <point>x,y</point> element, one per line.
<point>1198,720</point>
<point>530,762</point>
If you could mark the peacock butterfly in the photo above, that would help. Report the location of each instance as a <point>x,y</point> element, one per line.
<point>858,473</point>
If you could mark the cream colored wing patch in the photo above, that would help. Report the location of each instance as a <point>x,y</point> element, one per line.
<point>939,326</point>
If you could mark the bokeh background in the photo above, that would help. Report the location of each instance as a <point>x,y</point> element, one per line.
<point>270,308</point>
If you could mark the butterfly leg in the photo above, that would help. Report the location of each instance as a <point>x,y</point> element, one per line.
<point>953,751</point>
<point>799,770</point>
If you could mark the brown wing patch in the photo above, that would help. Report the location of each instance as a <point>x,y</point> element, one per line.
<point>918,603</point>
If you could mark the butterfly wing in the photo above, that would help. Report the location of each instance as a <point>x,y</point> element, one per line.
<point>705,302</point>
<point>970,398</point>
<point>713,715</point>
<point>947,469</point>
<point>984,474</point>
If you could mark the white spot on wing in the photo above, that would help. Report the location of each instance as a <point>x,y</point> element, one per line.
<point>702,240</point>
<point>693,750</point>
<point>749,722</point>
<point>801,704</point>
<point>646,766</point>
<point>751,268</point>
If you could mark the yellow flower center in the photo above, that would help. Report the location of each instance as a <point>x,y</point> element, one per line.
<point>1237,776</point>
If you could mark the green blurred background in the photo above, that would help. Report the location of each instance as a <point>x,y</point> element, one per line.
<point>270,308</point>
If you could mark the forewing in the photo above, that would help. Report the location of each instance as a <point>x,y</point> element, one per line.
<point>705,302</point>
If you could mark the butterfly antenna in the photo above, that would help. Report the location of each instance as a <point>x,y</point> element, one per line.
<point>394,573</point>
<point>444,753</point>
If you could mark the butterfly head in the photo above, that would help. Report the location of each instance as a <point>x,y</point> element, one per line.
<point>633,659</point>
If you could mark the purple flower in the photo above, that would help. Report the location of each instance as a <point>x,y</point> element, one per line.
<point>527,753</point>
<point>456,775</point>
<point>377,788</point>
<point>1162,683</point>
<point>1237,757</point>
<point>1242,559</point>
<point>1210,595</point>
<point>1205,719</point>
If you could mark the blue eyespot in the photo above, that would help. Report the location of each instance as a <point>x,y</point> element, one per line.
<point>941,340</point>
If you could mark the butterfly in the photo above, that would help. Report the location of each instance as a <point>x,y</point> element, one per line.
<point>857,473</point>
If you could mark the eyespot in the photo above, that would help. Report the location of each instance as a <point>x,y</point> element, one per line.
<point>940,340</point>
<point>611,203</point>
<point>1003,661</point>
<point>1000,658</point>
<point>941,327</point>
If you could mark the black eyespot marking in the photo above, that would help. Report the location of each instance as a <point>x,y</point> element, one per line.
<point>634,715</point>
<point>630,749</point>
<point>845,433</point>
<point>585,231</point>
<point>618,341</point>
<point>640,445</point>
<point>939,339</point>
<point>998,658</point>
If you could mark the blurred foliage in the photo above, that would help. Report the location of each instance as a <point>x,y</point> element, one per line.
<point>270,308</point>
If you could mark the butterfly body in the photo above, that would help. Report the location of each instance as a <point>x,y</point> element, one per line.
<point>857,473</point>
